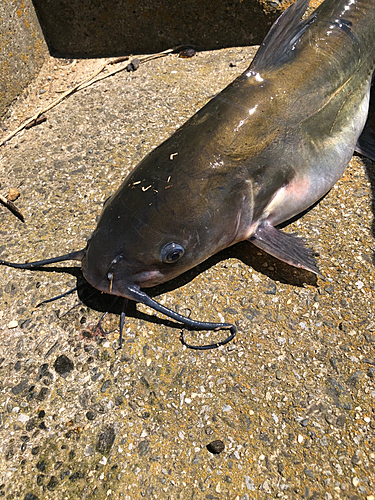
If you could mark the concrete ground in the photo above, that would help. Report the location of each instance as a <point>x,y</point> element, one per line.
<point>23,49</point>
<point>291,400</point>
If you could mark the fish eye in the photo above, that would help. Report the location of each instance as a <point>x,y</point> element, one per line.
<point>171,252</point>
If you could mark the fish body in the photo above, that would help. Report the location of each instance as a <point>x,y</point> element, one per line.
<point>266,148</point>
<point>263,150</point>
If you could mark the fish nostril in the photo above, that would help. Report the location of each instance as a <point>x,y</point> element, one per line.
<point>116,259</point>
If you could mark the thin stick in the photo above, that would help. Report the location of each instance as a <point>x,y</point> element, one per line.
<point>50,106</point>
<point>12,207</point>
<point>88,81</point>
<point>142,60</point>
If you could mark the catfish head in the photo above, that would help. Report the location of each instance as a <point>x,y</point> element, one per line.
<point>169,215</point>
<point>163,220</point>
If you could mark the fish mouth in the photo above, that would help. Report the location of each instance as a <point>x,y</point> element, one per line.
<point>147,279</point>
<point>123,287</point>
<point>119,275</point>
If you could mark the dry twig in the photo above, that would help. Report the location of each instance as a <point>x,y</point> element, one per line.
<point>12,207</point>
<point>88,81</point>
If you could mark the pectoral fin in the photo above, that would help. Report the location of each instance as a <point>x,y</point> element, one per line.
<point>286,247</point>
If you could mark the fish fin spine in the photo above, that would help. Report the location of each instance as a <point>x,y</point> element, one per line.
<point>279,44</point>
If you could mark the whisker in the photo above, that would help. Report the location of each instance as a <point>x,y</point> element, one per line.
<point>110,277</point>
<point>71,309</point>
<point>122,321</point>
<point>99,325</point>
<point>142,297</point>
<point>57,297</point>
<point>205,347</point>
<point>79,302</point>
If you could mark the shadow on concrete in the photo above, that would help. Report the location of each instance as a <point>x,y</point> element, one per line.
<point>77,29</point>
<point>366,143</point>
<point>245,251</point>
<point>370,171</point>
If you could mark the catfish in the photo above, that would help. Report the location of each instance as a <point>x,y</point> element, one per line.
<point>262,151</point>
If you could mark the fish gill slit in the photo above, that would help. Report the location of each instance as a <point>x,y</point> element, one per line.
<point>338,112</point>
<point>333,96</point>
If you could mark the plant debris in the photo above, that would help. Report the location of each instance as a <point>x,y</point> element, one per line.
<point>37,121</point>
<point>12,207</point>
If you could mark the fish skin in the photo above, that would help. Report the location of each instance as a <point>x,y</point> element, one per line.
<point>265,149</point>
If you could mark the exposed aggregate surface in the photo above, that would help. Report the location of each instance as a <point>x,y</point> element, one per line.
<point>291,400</point>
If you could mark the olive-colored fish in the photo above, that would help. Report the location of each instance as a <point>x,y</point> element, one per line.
<point>262,151</point>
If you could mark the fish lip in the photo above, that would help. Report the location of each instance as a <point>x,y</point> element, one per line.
<point>147,279</point>
<point>119,275</point>
<point>124,287</point>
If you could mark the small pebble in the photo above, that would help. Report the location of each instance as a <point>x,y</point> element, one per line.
<point>90,415</point>
<point>63,365</point>
<point>133,65</point>
<point>89,451</point>
<point>13,324</point>
<point>105,386</point>
<point>216,446</point>
<point>187,53</point>
<point>106,438</point>
<point>23,418</point>
<point>355,481</point>
<point>13,194</point>
<point>143,448</point>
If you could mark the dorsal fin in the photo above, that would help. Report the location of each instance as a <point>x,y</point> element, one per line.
<point>278,45</point>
